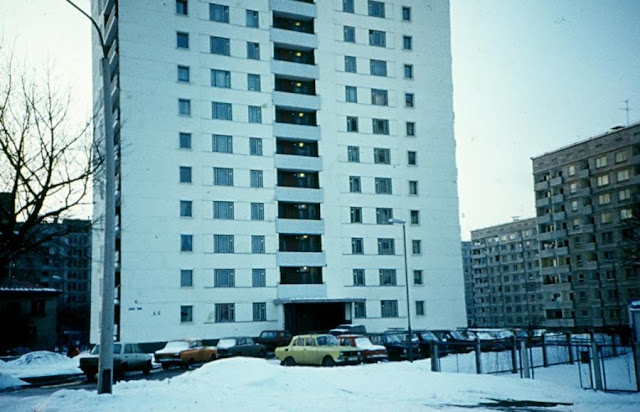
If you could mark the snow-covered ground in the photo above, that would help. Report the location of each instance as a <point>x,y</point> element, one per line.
<point>40,363</point>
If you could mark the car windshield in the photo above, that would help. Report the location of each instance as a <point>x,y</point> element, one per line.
<point>177,345</point>
<point>226,343</point>
<point>393,339</point>
<point>428,336</point>
<point>117,348</point>
<point>363,343</point>
<point>457,335</point>
<point>268,335</point>
<point>327,340</point>
<point>484,336</point>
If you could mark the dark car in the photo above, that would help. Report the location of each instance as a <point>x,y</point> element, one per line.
<point>271,339</point>
<point>455,341</point>
<point>348,328</point>
<point>126,357</point>
<point>396,345</point>
<point>425,340</point>
<point>240,346</point>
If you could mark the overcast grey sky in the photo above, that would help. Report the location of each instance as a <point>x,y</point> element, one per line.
<point>529,76</point>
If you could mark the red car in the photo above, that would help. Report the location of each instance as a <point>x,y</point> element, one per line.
<point>370,352</point>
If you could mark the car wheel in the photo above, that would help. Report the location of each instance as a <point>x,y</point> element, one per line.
<point>328,361</point>
<point>262,354</point>
<point>212,358</point>
<point>165,366</point>
<point>289,361</point>
<point>147,368</point>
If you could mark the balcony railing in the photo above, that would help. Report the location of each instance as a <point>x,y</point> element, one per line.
<point>294,56</point>
<point>302,211</point>
<point>287,23</point>
<point>305,180</point>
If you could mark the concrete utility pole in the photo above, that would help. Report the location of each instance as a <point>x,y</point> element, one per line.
<point>105,373</point>
<point>406,277</point>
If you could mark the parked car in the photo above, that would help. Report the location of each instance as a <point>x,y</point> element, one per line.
<point>240,346</point>
<point>126,357</point>
<point>271,339</point>
<point>370,352</point>
<point>323,349</point>
<point>425,339</point>
<point>348,328</point>
<point>396,344</point>
<point>184,353</point>
<point>455,341</point>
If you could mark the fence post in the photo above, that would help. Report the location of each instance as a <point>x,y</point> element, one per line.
<point>635,348</point>
<point>595,357</point>
<point>514,360</point>
<point>524,360</point>
<point>545,359</point>
<point>569,348</point>
<point>435,365</point>
<point>478,358</point>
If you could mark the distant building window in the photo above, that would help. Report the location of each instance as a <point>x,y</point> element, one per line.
<point>389,308</point>
<point>419,307</point>
<point>221,111</point>
<point>626,214</point>
<point>411,128</point>
<point>182,7</point>
<point>604,199</point>
<point>253,50</point>
<point>358,277</point>
<point>222,243</point>
<point>350,64</point>
<point>357,246</point>
<point>379,97</point>
<point>225,312</point>
<point>253,18</point>
<point>222,210</point>
<point>601,162</point>
<point>183,74</point>
<point>182,40</point>
<point>406,13</point>
<point>380,126</point>
<point>347,6</point>
<point>257,244</point>
<point>602,180</point>
<point>407,42</point>
<point>186,243</point>
<point>621,157</point>
<point>622,175</point>
<point>186,208</point>
<point>222,143</point>
<point>222,176</point>
<point>416,247</point>
<point>606,217</point>
<point>184,107</point>
<point>186,278</point>
<point>221,78</point>
<point>351,94</point>
<point>255,146</point>
<point>259,312</point>
<point>258,278</point>
<point>185,174</point>
<point>359,310</point>
<point>253,82</point>
<point>411,158</point>
<point>417,277</point>
<point>257,211</point>
<point>378,67</point>
<point>415,217</point>
<point>383,215</point>
<point>356,214</point>
<point>413,187</point>
<point>255,114</point>
<point>376,9</point>
<point>381,156</point>
<point>353,154</point>
<point>186,314</point>
<point>219,45</point>
<point>255,178</point>
<point>383,186</point>
<point>408,100</point>
<point>408,71</point>
<point>377,38</point>
<point>184,140</point>
<point>354,184</point>
<point>624,195</point>
<point>352,124</point>
<point>224,278</point>
<point>349,34</point>
<point>219,13</point>
<point>386,246</point>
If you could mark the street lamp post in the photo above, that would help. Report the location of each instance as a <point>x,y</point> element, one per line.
<point>105,373</point>
<point>406,282</point>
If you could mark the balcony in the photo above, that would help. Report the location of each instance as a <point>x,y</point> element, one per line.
<point>111,30</point>
<point>294,7</point>
<point>294,292</point>
<point>286,21</point>
<point>544,219</point>
<point>296,117</point>
<point>300,243</point>
<point>300,259</point>
<point>301,275</point>
<point>292,100</point>
<point>583,174</point>
<point>293,69</point>
<point>554,270</point>
<point>297,195</point>
<point>299,179</point>
<point>298,162</point>
<point>581,229</point>
<point>556,181</point>
<point>296,148</point>
<point>557,198</point>
<point>544,201</point>
<point>559,216</point>
<point>298,211</point>
<point>300,226</point>
<point>287,37</point>
<point>541,185</point>
<point>298,132</point>
<point>585,210</point>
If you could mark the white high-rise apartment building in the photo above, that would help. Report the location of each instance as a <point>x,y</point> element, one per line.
<point>263,147</point>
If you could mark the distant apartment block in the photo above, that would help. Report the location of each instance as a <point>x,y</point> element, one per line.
<point>587,218</point>
<point>468,279</point>
<point>506,283</point>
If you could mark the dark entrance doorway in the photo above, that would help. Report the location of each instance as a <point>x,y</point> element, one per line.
<point>302,318</point>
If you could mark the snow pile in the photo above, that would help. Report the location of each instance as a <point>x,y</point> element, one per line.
<point>40,363</point>
<point>255,384</point>
<point>9,382</point>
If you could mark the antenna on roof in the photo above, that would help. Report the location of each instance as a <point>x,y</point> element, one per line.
<point>626,109</point>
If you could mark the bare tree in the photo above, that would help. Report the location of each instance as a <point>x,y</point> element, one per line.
<point>46,163</point>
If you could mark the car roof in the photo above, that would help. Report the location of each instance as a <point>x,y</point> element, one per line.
<point>351,335</point>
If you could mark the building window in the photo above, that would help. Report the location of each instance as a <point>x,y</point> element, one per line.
<point>258,278</point>
<point>219,13</point>
<point>222,176</point>
<point>407,42</point>
<point>257,211</point>
<point>352,124</point>
<point>255,178</point>
<point>353,154</point>
<point>411,128</point>
<point>182,40</point>
<point>417,277</point>
<point>376,8</point>
<point>604,199</point>
<point>380,126</point>
<point>253,50</point>
<point>222,210</point>
<point>183,74</point>
<point>351,94</point>
<point>186,243</point>
<point>389,308</point>
<point>378,67</point>
<point>388,277</point>
<point>186,278</point>
<point>257,244</point>
<point>381,156</point>
<point>221,111</point>
<point>185,174</point>
<point>219,45</point>
<point>620,157</point>
<point>419,307</point>
<point>222,243</point>
<point>408,100</point>
<point>601,162</point>
<point>411,158</point>
<point>253,82</point>
<point>221,78</point>
<point>354,184</point>
<point>357,246</point>
<point>415,217</point>
<point>572,170</point>
<point>406,13</point>
<point>413,187</point>
<point>602,180</point>
<point>386,246</point>
<point>408,71</point>
<point>626,214</point>
<point>379,97</point>
<point>350,64</point>
<point>383,186</point>
<point>186,208</point>
<point>224,278</point>
<point>573,187</point>
<point>259,312</point>
<point>356,214</point>
<point>349,34</point>
<point>186,314</point>
<point>623,175</point>
<point>359,310</point>
<point>255,114</point>
<point>358,277</point>
<point>253,18</point>
<point>606,217</point>
<point>225,312</point>
<point>182,7</point>
<point>184,107</point>
<point>624,195</point>
<point>416,247</point>
<point>255,146</point>
<point>222,143</point>
<point>377,38</point>
<point>184,140</point>
<point>383,215</point>
<point>347,6</point>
